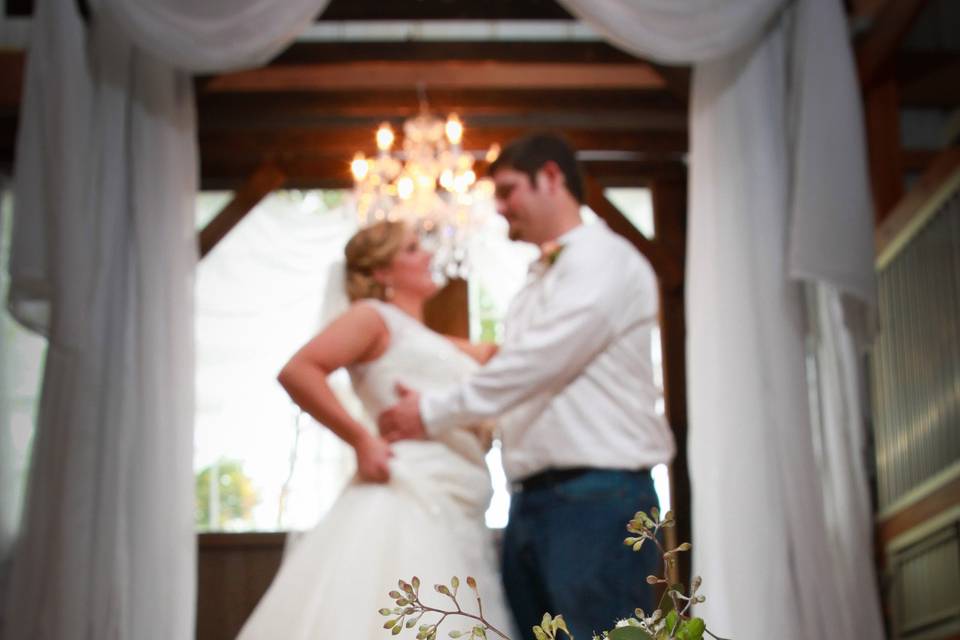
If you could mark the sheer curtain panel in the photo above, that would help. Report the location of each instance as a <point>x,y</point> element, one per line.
<point>102,263</point>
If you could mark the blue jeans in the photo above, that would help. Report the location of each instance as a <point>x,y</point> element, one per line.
<point>563,552</point>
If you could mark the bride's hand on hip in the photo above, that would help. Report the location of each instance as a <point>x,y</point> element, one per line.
<point>373,459</point>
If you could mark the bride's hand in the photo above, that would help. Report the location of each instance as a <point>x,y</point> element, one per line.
<point>373,459</point>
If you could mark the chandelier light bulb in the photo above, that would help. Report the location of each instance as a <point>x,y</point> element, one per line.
<point>454,129</point>
<point>493,152</point>
<point>359,167</point>
<point>405,187</point>
<point>446,179</point>
<point>384,137</point>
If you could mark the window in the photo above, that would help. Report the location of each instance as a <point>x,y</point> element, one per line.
<point>260,463</point>
<point>22,355</point>
<point>636,203</point>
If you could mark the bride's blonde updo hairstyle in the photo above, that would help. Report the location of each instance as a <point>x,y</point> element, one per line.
<point>370,249</point>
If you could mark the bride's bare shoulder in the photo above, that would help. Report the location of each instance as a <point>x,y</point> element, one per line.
<point>359,334</point>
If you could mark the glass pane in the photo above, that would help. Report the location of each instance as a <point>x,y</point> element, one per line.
<point>22,356</point>
<point>209,204</point>
<point>636,203</point>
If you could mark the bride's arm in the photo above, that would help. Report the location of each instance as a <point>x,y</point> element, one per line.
<point>359,335</point>
<point>479,351</point>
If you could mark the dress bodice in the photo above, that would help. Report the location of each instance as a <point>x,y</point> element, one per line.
<point>421,360</point>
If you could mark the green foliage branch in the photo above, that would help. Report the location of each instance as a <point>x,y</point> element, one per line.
<point>672,620</point>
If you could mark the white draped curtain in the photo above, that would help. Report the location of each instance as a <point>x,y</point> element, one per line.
<point>778,197</point>
<point>103,262</point>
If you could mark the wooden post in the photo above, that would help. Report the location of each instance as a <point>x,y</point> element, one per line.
<point>883,142</point>
<point>670,222</point>
<point>669,269</point>
<point>448,312</point>
<point>261,182</point>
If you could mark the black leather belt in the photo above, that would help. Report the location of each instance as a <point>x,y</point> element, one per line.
<point>553,477</point>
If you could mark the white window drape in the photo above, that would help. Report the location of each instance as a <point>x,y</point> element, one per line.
<point>778,196</point>
<point>103,262</point>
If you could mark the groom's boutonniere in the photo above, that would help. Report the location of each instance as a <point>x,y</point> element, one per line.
<point>550,252</point>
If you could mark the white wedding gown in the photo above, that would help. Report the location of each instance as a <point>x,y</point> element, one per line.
<point>426,521</point>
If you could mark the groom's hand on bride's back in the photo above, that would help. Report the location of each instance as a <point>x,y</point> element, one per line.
<point>402,420</point>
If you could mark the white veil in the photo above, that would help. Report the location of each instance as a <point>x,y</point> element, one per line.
<point>335,299</point>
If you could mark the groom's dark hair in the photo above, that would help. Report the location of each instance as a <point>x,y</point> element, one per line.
<point>529,154</point>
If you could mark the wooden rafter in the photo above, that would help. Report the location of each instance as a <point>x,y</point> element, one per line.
<point>883,141</point>
<point>669,270</point>
<point>866,8</point>
<point>220,110</point>
<point>419,10</point>
<point>222,172</point>
<point>261,182</point>
<point>592,52</point>
<point>459,74</point>
<point>11,80</point>
<point>928,79</point>
<point>280,116</point>
<point>445,10</point>
<point>343,143</point>
<point>876,51</point>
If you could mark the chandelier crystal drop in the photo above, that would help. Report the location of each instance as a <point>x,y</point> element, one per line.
<point>430,183</point>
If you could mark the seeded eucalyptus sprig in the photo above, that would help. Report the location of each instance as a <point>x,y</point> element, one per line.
<point>410,609</point>
<point>671,620</point>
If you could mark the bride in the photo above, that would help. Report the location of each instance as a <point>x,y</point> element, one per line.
<point>415,507</point>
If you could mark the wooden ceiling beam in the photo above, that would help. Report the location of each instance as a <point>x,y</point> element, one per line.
<point>8,142</point>
<point>916,161</point>
<point>11,80</point>
<point>223,173</point>
<point>419,10</point>
<point>875,52</point>
<point>866,9</point>
<point>240,118</point>
<point>344,142</point>
<point>404,101</point>
<point>445,10</point>
<point>928,79</point>
<point>459,74</point>
<point>266,178</point>
<point>595,52</point>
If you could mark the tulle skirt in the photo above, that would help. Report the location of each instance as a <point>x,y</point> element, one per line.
<point>426,522</point>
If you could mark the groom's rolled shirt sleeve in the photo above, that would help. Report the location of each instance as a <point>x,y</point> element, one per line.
<point>572,328</point>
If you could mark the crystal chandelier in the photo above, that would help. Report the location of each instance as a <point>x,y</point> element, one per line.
<point>431,184</point>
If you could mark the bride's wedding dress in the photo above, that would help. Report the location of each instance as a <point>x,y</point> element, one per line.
<point>426,521</point>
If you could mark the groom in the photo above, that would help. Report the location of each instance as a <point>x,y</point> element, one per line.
<point>573,388</point>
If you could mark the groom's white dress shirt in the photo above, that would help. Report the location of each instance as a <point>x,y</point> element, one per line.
<point>572,384</point>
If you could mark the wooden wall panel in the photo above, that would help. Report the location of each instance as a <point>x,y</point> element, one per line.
<point>233,572</point>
